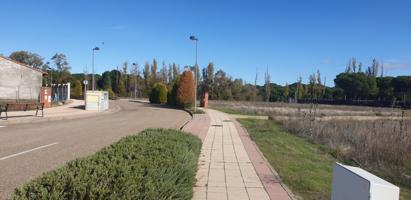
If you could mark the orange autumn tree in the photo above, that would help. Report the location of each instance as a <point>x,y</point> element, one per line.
<point>185,92</point>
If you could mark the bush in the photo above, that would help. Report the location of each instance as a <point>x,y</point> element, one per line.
<point>111,94</point>
<point>156,164</point>
<point>172,94</point>
<point>77,90</point>
<point>185,92</point>
<point>158,94</point>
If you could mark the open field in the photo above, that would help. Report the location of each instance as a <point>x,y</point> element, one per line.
<point>322,111</point>
<point>304,166</point>
<point>376,139</point>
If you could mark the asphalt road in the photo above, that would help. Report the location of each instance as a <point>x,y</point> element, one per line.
<point>28,150</point>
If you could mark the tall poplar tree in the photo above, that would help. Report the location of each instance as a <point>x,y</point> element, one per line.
<point>154,72</point>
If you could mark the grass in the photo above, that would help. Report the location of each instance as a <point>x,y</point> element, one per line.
<point>155,164</point>
<point>233,111</point>
<point>305,167</point>
<point>198,111</point>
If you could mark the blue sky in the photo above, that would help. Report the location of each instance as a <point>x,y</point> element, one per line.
<point>291,37</point>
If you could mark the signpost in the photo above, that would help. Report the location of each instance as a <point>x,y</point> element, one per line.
<point>85,82</point>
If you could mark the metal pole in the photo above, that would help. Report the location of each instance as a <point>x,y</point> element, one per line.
<point>195,88</point>
<point>92,64</point>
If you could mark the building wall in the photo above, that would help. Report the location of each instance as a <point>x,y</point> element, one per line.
<point>18,81</point>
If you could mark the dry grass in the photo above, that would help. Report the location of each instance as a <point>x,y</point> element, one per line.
<point>286,109</point>
<point>377,139</point>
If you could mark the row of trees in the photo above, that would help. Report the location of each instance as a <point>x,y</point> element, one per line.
<point>133,80</point>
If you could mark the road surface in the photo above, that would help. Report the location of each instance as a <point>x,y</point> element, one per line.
<point>28,150</point>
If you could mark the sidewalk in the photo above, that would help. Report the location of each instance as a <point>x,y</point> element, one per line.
<point>72,110</point>
<point>226,169</point>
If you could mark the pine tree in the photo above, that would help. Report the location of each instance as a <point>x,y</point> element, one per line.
<point>106,81</point>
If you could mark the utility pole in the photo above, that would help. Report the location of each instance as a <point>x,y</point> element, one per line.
<point>92,63</point>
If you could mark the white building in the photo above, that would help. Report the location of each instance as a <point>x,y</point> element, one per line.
<point>19,81</point>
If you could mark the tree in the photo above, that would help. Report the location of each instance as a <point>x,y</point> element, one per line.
<point>154,72</point>
<point>236,89</point>
<point>221,87</point>
<point>147,79</point>
<point>208,78</point>
<point>135,77</point>
<point>255,85</point>
<point>300,88</point>
<point>158,94</point>
<point>372,70</point>
<point>170,75</point>
<point>77,91</point>
<point>185,93</point>
<point>117,83</point>
<point>267,85</point>
<point>286,91</point>
<point>106,80</point>
<point>28,58</point>
<point>126,78</point>
<point>402,86</point>
<point>163,73</point>
<point>385,88</point>
<point>172,94</point>
<point>354,85</point>
<point>62,66</point>
<point>176,71</point>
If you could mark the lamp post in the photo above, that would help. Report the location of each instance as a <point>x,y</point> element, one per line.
<point>92,64</point>
<point>195,73</point>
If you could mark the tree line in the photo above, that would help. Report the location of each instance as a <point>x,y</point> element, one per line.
<point>356,83</point>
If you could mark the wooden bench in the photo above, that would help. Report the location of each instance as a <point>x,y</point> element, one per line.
<point>22,107</point>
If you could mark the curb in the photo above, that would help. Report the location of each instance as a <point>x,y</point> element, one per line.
<point>115,109</point>
<point>188,121</point>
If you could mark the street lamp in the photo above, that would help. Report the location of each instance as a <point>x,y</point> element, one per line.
<point>195,74</point>
<point>92,64</point>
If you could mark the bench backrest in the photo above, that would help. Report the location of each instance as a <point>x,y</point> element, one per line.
<point>22,106</point>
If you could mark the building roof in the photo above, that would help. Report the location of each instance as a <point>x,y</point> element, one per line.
<point>22,64</point>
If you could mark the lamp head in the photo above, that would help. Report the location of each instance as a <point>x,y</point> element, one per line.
<point>193,38</point>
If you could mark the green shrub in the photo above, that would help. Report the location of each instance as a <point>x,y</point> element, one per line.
<point>155,164</point>
<point>77,90</point>
<point>158,93</point>
<point>172,94</point>
<point>111,94</point>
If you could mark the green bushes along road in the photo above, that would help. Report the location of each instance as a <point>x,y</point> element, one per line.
<point>155,164</point>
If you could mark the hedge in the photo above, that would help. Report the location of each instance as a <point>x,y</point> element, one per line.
<point>155,164</point>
